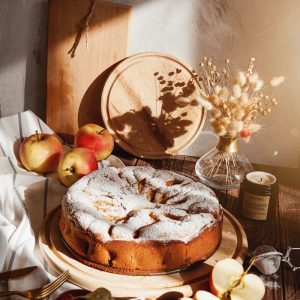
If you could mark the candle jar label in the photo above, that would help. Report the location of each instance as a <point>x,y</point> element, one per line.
<point>255,207</point>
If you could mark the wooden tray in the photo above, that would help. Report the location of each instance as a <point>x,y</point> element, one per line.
<point>74,84</point>
<point>233,244</point>
<point>139,108</point>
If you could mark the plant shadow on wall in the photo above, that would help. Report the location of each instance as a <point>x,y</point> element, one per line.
<point>168,121</point>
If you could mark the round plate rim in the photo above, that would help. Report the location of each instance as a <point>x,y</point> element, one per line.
<point>113,160</point>
<point>104,100</point>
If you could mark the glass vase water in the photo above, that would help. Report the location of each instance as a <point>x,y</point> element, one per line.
<point>223,167</point>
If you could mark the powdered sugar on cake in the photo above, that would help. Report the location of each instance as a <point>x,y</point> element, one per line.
<point>140,203</point>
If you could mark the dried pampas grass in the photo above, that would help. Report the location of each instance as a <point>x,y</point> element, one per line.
<point>235,103</point>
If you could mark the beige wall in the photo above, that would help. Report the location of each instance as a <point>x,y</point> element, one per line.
<point>23,54</point>
<point>238,29</point>
<point>189,29</point>
<point>270,31</point>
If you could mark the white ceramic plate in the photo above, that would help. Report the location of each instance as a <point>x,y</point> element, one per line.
<point>111,161</point>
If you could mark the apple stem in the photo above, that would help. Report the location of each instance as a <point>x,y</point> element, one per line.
<point>236,283</point>
<point>37,135</point>
<point>252,261</point>
<point>99,132</point>
<point>72,169</point>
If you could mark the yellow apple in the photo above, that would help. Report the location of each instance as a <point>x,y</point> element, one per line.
<point>228,277</point>
<point>95,138</point>
<point>40,152</point>
<point>76,163</point>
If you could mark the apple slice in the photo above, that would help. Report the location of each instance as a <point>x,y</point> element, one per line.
<point>229,279</point>
<point>250,288</point>
<point>223,276</point>
<point>203,295</point>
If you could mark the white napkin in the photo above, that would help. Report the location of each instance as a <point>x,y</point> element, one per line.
<point>25,199</point>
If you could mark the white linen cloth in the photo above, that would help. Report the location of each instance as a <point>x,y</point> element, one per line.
<point>25,199</point>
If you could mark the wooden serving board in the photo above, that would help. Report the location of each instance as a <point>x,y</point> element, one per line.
<point>140,107</point>
<point>233,244</point>
<point>74,84</point>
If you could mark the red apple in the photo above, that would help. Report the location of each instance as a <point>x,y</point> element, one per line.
<point>40,152</point>
<point>76,163</point>
<point>228,277</point>
<point>95,138</point>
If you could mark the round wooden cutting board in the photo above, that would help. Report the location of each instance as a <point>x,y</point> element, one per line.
<point>139,105</point>
<point>233,244</point>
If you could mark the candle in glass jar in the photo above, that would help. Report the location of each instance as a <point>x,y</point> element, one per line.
<point>257,193</point>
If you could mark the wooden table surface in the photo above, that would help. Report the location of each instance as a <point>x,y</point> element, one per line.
<point>282,228</point>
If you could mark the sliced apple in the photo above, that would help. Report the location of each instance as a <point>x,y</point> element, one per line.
<point>223,276</point>
<point>203,295</point>
<point>250,288</point>
<point>228,279</point>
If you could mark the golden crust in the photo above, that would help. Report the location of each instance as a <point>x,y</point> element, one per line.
<point>143,257</point>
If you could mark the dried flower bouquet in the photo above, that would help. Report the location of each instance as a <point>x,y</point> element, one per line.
<point>234,103</point>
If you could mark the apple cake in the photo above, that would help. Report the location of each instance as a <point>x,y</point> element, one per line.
<point>139,220</point>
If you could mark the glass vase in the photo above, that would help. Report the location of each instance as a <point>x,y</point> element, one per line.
<point>223,167</point>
